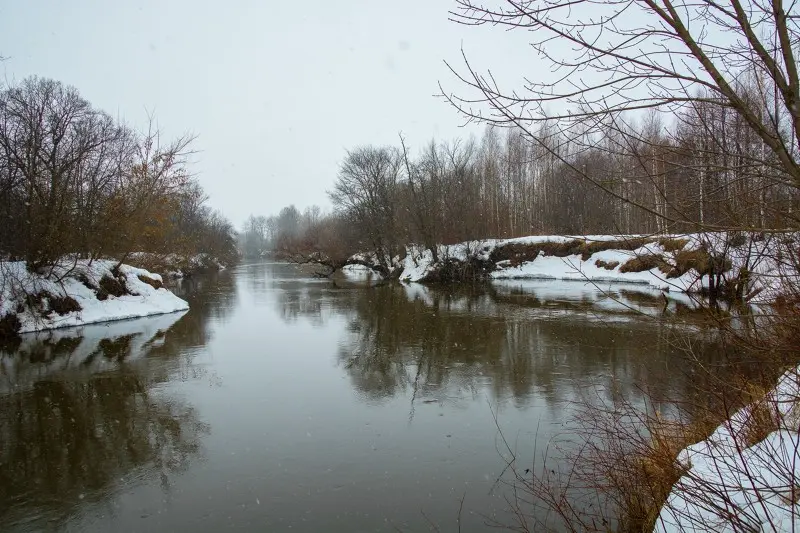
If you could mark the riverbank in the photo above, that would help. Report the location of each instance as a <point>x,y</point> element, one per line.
<point>79,292</point>
<point>747,267</point>
<point>745,475</point>
<point>176,266</point>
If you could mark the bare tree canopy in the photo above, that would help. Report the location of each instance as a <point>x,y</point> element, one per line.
<point>610,60</point>
<point>75,181</point>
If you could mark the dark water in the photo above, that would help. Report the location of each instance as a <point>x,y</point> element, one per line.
<point>280,402</point>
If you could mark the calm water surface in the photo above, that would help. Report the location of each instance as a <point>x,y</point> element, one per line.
<point>281,402</point>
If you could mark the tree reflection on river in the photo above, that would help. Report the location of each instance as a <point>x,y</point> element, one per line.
<point>449,343</point>
<point>80,410</point>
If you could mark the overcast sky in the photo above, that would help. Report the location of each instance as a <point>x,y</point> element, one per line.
<point>275,91</point>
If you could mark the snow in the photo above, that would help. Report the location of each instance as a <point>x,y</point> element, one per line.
<point>574,268</point>
<point>358,273</point>
<point>16,282</point>
<point>730,483</point>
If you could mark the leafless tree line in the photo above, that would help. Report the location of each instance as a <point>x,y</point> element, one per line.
<point>75,181</point>
<point>702,169</point>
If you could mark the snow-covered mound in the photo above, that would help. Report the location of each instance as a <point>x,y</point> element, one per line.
<point>77,293</point>
<point>176,265</point>
<point>359,274</point>
<point>744,477</point>
<point>685,263</point>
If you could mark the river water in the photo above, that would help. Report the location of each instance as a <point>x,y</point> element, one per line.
<point>281,402</point>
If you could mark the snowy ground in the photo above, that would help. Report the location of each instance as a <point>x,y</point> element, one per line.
<point>17,284</point>
<point>734,484</point>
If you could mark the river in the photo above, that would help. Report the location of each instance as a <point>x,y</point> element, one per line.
<point>281,402</point>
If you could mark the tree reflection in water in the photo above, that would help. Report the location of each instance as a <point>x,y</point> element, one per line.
<point>506,340</point>
<point>80,414</point>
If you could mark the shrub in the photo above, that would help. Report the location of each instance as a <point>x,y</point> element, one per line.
<point>110,286</point>
<point>63,304</point>
<point>9,326</point>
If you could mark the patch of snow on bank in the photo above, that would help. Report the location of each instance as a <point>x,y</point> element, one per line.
<point>16,282</point>
<point>360,273</point>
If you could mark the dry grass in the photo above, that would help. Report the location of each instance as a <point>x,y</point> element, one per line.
<point>652,470</point>
<point>763,419</point>
<point>608,265</point>
<point>645,262</point>
<point>628,453</point>
<point>673,245</point>
<point>63,305</point>
<point>685,260</point>
<point>156,284</point>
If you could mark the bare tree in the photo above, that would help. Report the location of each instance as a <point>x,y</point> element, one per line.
<point>365,193</point>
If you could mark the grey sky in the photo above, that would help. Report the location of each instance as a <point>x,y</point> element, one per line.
<point>275,91</point>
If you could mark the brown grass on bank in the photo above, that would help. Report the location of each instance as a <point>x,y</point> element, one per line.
<point>645,262</point>
<point>673,244</point>
<point>156,284</point>
<point>650,470</point>
<point>608,265</point>
<point>110,286</point>
<point>685,260</point>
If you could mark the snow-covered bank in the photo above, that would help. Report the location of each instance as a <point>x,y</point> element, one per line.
<point>77,293</point>
<point>746,475</point>
<point>685,263</point>
<point>175,265</point>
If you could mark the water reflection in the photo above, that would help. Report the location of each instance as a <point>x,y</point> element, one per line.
<point>512,340</point>
<point>82,416</point>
